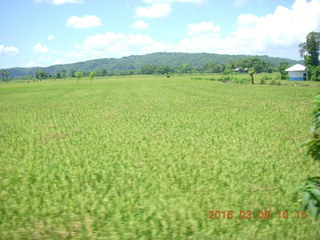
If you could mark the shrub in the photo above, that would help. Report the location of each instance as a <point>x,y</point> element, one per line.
<point>311,188</point>
<point>265,78</point>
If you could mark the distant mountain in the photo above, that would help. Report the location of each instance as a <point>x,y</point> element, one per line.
<point>138,61</point>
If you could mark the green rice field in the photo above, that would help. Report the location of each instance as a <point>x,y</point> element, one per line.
<point>150,157</point>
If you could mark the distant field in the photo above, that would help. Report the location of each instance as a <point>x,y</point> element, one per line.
<point>146,157</point>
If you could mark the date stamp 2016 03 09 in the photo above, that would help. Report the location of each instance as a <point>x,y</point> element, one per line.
<point>257,215</point>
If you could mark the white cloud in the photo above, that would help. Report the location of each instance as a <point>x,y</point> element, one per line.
<point>282,28</point>
<point>8,51</point>
<point>59,2</point>
<point>154,11</point>
<point>40,48</point>
<point>274,33</point>
<point>139,24</point>
<point>103,40</point>
<point>203,28</point>
<point>50,37</point>
<point>45,61</point>
<point>31,63</point>
<point>112,44</point>
<point>83,22</point>
<point>160,8</point>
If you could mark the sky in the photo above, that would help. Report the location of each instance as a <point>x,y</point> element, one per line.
<point>48,32</point>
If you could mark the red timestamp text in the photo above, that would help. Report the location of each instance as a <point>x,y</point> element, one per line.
<point>257,215</point>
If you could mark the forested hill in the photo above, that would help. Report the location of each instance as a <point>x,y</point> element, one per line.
<point>138,62</point>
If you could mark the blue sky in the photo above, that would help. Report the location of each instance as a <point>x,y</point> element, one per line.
<point>47,32</point>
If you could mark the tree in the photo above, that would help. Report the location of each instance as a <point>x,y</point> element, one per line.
<point>283,74</point>
<point>148,69</point>
<point>163,69</point>
<point>41,74</point>
<point>103,72</point>
<point>310,49</point>
<point>251,72</point>
<point>72,73</point>
<point>185,68</point>
<point>79,75</point>
<point>315,73</point>
<point>92,75</point>
<point>5,75</point>
<point>58,75</point>
<point>228,69</point>
<point>64,73</point>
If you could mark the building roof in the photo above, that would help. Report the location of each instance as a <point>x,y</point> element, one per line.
<point>296,68</point>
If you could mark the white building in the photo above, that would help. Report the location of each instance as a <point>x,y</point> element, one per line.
<point>297,73</point>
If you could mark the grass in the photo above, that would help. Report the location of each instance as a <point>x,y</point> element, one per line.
<point>148,158</point>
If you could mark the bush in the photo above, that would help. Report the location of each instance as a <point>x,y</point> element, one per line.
<point>311,196</point>
<point>226,78</point>
<point>232,79</point>
<point>315,73</point>
<point>311,188</point>
<point>266,78</point>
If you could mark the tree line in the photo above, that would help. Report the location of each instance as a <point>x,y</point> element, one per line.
<point>160,62</point>
<point>242,65</point>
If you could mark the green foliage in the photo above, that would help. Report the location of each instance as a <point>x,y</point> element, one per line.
<point>310,49</point>
<point>313,144</point>
<point>266,77</point>
<point>184,68</point>
<point>148,69</point>
<point>163,69</point>
<point>64,73</point>
<point>5,75</point>
<point>41,74</point>
<point>58,75</point>
<point>232,79</point>
<point>92,75</point>
<point>314,73</point>
<point>257,63</point>
<point>311,188</point>
<point>283,74</point>
<point>311,197</point>
<point>78,75</point>
<point>227,70</point>
<point>72,73</point>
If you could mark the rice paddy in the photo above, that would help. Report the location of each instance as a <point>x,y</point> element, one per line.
<point>146,157</point>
